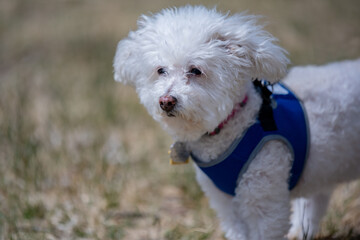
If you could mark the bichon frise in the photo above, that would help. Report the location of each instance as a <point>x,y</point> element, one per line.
<point>212,81</point>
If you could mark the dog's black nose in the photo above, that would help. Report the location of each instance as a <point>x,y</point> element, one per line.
<point>167,103</point>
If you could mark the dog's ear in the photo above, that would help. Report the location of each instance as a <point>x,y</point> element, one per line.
<point>268,59</point>
<point>255,49</point>
<point>125,61</point>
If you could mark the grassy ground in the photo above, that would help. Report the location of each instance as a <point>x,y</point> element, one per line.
<point>81,159</point>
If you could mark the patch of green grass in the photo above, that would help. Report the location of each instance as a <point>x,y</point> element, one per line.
<point>181,232</point>
<point>115,232</point>
<point>36,210</point>
<point>112,199</point>
<point>79,232</point>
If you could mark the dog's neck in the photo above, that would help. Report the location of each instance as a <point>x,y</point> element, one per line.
<point>235,110</point>
<point>210,147</point>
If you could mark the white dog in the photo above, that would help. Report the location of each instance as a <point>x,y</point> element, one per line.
<point>194,69</point>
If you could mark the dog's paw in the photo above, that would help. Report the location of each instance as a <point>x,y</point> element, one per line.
<point>298,232</point>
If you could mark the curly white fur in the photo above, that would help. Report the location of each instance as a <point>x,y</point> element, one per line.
<point>231,51</point>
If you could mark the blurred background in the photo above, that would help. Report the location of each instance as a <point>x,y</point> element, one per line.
<point>79,156</point>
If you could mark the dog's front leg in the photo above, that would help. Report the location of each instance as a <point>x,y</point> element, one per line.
<point>261,207</point>
<point>262,196</point>
<point>233,226</point>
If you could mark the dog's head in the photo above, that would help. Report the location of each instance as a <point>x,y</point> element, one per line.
<point>191,65</point>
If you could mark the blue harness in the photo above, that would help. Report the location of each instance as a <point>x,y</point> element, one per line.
<point>291,127</point>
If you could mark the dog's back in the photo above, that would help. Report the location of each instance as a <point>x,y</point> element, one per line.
<point>331,95</point>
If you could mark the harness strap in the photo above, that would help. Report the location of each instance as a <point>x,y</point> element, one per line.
<point>266,115</point>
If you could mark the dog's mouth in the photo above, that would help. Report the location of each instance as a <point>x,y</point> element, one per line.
<point>173,112</point>
<point>170,114</point>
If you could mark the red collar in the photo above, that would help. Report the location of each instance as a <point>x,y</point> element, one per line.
<point>231,115</point>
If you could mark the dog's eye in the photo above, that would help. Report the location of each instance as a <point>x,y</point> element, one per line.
<point>161,71</point>
<point>195,71</point>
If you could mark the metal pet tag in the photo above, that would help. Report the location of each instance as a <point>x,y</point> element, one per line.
<point>179,154</point>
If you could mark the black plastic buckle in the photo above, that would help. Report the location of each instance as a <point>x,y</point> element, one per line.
<point>266,114</point>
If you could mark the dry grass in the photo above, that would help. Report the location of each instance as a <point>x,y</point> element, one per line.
<point>81,159</point>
